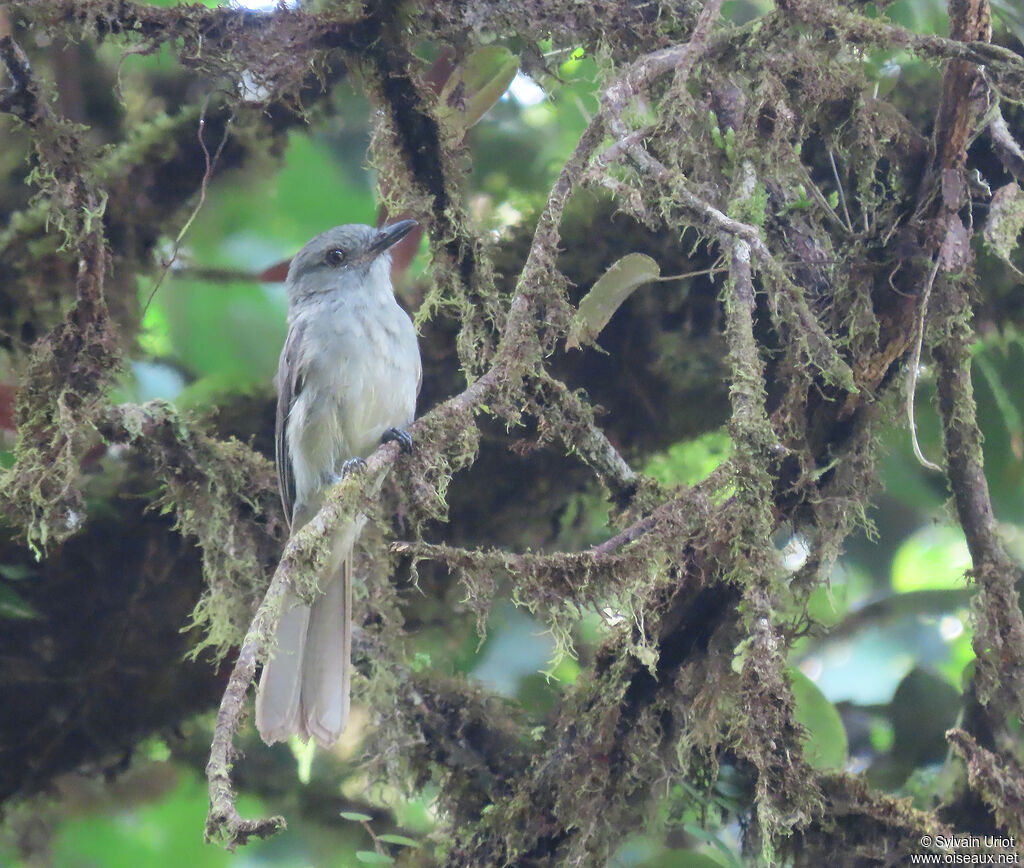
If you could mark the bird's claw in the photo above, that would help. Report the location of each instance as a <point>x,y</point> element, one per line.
<point>402,437</point>
<point>353,465</point>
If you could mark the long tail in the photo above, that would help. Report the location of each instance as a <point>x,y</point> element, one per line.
<point>326,664</point>
<point>304,689</point>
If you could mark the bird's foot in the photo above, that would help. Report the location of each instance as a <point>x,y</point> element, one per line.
<point>353,465</point>
<point>402,437</point>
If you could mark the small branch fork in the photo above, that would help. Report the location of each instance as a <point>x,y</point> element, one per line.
<point>714,222</point>
<point>604,555</point>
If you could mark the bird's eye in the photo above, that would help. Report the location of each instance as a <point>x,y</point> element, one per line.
<point>336,256</point>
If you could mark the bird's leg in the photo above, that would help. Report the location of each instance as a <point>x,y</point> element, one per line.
<point>402,437</point>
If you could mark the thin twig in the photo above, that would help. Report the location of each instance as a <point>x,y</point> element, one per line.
<point>839,189</point>
<point>603,554</point>
<point>913,370</point>
<point>211,164</point>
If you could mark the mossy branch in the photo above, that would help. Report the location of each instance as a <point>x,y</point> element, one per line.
<point>999,779</point>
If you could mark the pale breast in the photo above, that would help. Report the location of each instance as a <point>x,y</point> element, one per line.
<point>360,373</point>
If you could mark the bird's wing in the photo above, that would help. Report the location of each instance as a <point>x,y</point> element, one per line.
<point>289,384</point>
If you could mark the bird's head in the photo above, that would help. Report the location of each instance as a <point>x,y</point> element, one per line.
<point>343,256</point>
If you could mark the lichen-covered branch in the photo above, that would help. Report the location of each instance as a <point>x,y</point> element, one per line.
<point>224,496</point>
<point>70,369</point>
<point>999,779</point>
<point>788,797</point>
<point>999,623</point>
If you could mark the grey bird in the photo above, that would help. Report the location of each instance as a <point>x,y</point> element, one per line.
<point>348,379</point>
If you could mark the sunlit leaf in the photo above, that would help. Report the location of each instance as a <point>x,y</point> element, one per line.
<point>303,753</point>
<point>607,295</point>
<point>154,749</point>
<point>936,556</point>
<point>881,734</point>
<point>690,461</point>
<point>155,336</point>
<point>355,816</point>
<point>826,745</point>
<point>233,332</point>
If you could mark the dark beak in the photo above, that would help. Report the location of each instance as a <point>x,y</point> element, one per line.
<point>391,235</point>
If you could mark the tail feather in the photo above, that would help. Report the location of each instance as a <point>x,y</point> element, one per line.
<point>305,688</point>
<point>326,667</point>
<point>278,694</point>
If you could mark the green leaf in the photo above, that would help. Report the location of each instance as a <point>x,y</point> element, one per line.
<point>355,816</point>
<point>370,857</point>
<point>923,707</point>
<point>826,745</point>
<point>607,295</point>
<point>475,85</point>
<point>420,661</point>
<point>13,607</point>
<point>401,840</point>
